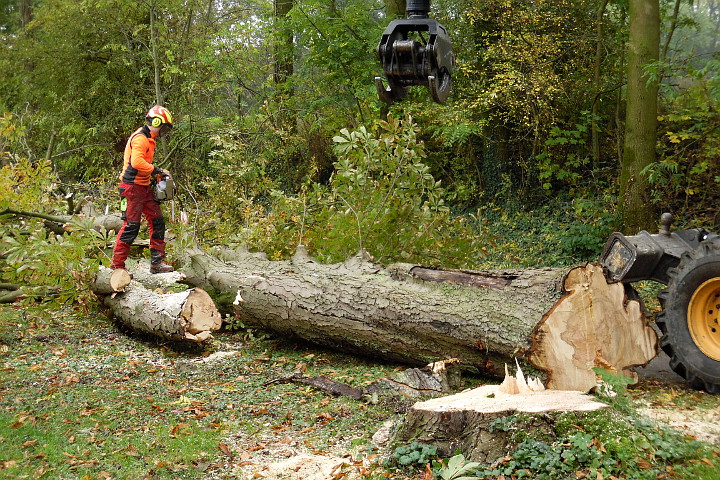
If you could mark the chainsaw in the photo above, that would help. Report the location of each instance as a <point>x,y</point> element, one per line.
<point>164,188</point>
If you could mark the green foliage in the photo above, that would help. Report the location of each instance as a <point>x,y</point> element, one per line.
<point>383,194</point>
<point>566,156</point>
<point>58,265</point>
<point>415,455</point>
<point>12,132</point>
<point>687,168</point>
<point>557,233</point>
<point>456,469</point>
<point>614,389</point>
<point>381,197</point>
<point>600,444</point>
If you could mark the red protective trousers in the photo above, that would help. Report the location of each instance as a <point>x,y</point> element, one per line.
<point>140,202</point>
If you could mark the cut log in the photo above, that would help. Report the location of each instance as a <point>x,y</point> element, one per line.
<point>472,421</point>
<point>595,325</point>
<point>190,315</point>
<point>359,307</point>
<point>418,315</point>
<point>109,281</point>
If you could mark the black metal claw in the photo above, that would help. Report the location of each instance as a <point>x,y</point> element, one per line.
<point>390,94</point>
<point>440,89</point>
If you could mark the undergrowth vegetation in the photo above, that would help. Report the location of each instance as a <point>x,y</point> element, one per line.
<point>383,197</point>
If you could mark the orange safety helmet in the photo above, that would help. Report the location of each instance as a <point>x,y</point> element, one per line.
<point>159,116</point>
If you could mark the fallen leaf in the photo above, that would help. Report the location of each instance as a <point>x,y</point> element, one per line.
<point>427,474</point>
<point>226,450</point>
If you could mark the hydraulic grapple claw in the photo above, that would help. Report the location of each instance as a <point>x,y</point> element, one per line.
<point>415,51</point>
<point>391,93</point>
<point>440,88</point>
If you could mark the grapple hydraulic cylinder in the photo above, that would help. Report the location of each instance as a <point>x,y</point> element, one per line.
<point>415,51</point>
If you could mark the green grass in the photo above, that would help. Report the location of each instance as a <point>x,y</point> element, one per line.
<point>80,399</point>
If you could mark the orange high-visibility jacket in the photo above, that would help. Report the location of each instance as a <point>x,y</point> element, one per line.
<point>138,159</point>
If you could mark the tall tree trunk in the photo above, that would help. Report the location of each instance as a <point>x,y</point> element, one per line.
<point>597,81</point>
<point>641,115</point>
<point>285,42</point>
<point>25,13</point>
<point>671,31</point>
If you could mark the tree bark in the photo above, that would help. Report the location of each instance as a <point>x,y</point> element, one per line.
<point>416,315</point>
<point>597,84</point>
<point>190,315</point>
<point>641,116</point>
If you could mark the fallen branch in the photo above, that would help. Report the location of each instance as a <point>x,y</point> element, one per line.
<point>99,222</point>
<point>433,379</point>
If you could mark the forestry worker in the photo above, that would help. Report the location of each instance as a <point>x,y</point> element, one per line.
<point>136,193</point>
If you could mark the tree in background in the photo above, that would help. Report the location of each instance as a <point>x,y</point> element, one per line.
<point>641,117</point>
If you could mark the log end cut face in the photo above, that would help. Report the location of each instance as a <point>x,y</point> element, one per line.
<point>200,313</point>
<point>593,325</point>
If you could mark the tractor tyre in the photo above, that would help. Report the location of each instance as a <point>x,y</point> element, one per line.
<point>690,317</point>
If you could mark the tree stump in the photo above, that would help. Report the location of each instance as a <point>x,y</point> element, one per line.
<point>480,422</point>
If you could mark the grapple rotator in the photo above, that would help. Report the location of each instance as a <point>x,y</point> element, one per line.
<point>415,51</point>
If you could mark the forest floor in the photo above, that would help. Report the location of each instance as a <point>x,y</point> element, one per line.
<point>80,398</point>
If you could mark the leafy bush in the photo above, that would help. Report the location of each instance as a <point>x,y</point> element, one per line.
<point>44,264</point>
<point>381,197</point>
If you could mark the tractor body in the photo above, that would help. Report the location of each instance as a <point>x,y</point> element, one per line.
<point>687,262</point>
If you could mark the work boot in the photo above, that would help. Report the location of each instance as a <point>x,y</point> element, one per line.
<point>161,267</point>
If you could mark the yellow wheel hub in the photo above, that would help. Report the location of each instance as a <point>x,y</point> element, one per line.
<point>704,318</point>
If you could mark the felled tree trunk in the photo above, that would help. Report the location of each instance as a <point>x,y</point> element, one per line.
<point>417,315</point>
<point>190,315</point>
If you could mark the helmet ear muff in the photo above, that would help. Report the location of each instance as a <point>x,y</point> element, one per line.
<point>156,121</point>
